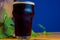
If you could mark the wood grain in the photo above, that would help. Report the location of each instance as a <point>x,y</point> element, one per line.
<point>52,36</point>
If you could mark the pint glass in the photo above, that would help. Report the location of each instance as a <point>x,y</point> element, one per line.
<point>23,13</point>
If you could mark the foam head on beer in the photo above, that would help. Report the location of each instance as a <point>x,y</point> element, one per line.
<point>27,2</point>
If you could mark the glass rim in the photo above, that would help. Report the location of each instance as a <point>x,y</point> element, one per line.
<point>32,3</point>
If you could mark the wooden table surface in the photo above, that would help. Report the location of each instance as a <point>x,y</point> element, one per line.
<point>52,36</point>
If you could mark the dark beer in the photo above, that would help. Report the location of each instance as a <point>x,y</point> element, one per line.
<point>14,0</point>
<point>23,13</point>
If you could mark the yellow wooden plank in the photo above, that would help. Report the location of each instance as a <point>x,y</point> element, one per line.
<point>53,36</point>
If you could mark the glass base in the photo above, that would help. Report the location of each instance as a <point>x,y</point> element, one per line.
<point>23,37</point>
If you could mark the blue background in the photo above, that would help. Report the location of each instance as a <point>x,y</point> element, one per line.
<point>47,13</point>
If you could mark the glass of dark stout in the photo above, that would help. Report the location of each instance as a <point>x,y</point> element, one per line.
<point>23,13</point>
